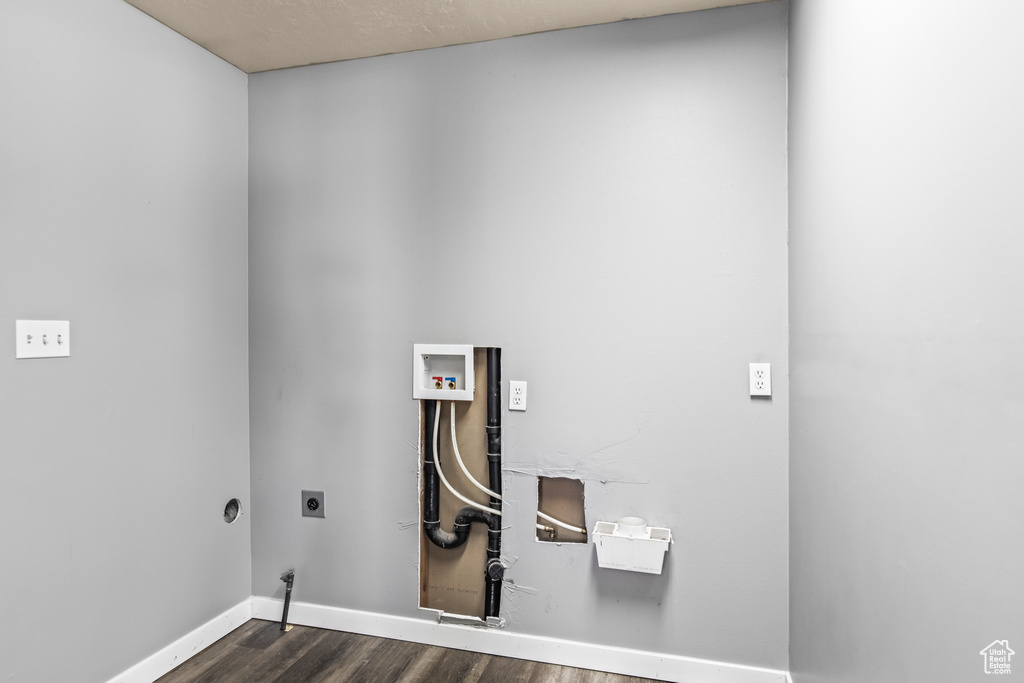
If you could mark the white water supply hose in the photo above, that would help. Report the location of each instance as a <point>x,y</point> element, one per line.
<point>440,472</point>
<point>458,457</point>
<point>561,524</point>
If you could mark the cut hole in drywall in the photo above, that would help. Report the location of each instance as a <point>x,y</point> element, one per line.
<point>560,515</point>
<point>232,510</point>
<point>453,580</point>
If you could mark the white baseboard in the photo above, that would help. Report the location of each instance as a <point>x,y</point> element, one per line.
<point>156,665</point>
<point>521,646</point>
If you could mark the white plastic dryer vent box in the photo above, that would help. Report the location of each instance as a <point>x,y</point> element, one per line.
<point>631,545</point>
<point>442,372</point>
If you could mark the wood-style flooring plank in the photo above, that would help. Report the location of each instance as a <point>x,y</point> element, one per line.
<point>361,652</point>
<point>265,635</point>
<point>387,660</point>
<point>259,652</point>
<point>428,658</point>
<point>193,669</point>
<point>508,670</point>
<point>273,651</point>
<point>458,665</point>
<point>325,654</point>
<point>559,674</point>
<point>243,666</point>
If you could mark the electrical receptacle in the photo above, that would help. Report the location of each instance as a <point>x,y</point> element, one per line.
<point>313,504</point>
<point>517,395</point>
<point>760,379</point>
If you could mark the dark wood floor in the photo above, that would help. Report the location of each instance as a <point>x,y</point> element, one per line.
<point>259,652</point>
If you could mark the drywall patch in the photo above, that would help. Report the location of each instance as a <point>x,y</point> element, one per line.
<point>510,593</point>
<point>602,465</point>
<point>511,587</point>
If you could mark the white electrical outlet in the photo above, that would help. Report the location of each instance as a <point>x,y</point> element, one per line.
<point>760,379</point>
<point>42,338</point>
<point>517,395</point>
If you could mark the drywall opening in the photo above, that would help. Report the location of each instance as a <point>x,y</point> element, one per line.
<point>232,510</point>
<point>560,513</point>
<point>453,579</point>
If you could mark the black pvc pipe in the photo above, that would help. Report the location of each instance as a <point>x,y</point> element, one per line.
<point>432,488</point>
<point>495,570</point>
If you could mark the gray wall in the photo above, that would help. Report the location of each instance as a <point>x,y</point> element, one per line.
<point>906,281</point>
<point>608,205</point>
<point>123,209</point>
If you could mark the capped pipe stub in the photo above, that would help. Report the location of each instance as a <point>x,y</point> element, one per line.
<point>634,527</point>
<point>495,570</point>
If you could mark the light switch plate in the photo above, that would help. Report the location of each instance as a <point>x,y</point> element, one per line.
<point>42,338</point>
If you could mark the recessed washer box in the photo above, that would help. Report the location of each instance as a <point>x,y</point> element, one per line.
<point>442,372</point>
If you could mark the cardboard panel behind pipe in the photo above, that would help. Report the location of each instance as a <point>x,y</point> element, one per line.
<point>453,580</point>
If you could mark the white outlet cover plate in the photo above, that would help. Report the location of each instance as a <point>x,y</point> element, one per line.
<point>42,338</point>
<point>517,395</point>
<point>760,379</point>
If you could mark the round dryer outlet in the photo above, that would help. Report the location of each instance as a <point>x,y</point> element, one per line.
<point>313,504</point>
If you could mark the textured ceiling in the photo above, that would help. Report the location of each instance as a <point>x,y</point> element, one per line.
<point>262,35</point>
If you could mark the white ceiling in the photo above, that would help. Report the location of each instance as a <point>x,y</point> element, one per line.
<point>262,35</point>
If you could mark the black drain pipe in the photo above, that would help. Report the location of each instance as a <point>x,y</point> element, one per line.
<point>432,490</point>
<point>495,570</point>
